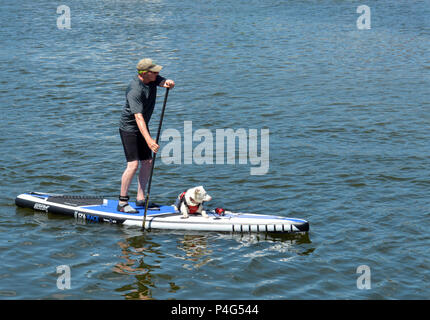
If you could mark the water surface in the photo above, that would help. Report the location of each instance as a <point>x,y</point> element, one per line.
<point>348,114</point>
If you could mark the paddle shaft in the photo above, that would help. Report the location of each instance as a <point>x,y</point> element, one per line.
<point>153,158</point>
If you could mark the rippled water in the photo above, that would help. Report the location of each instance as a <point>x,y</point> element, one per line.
<point>348,114</point>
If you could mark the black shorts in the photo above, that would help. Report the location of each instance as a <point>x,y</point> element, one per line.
<point>135,146</point>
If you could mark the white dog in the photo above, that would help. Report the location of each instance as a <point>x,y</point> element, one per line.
<point>191,201</point>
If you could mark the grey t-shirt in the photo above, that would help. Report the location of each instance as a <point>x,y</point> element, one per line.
<point>139,98</point>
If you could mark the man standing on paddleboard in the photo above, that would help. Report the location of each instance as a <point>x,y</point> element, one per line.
<point>135,136</point>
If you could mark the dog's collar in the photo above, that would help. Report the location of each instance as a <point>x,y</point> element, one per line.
<point>183,199</point>
<point>192,200</point>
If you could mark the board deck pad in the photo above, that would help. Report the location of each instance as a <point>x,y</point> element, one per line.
<point>76,200</point>
<point>99,203</point>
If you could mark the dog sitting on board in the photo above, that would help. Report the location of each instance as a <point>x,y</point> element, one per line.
<point>191,201</point>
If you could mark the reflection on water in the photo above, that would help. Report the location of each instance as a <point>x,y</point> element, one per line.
<point>148,258</point>
<point>194,248</point>
<point>292,238</point>
<point>134,250</point>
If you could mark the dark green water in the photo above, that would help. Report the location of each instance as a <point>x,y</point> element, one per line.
<point>348,115</point>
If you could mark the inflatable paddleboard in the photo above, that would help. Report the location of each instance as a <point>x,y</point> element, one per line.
<point>99,209</point>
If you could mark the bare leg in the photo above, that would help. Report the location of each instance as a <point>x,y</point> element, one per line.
<point>145,170</point>
<point>127,177</point>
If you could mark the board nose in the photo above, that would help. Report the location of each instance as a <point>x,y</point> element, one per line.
<point>303,226</point>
